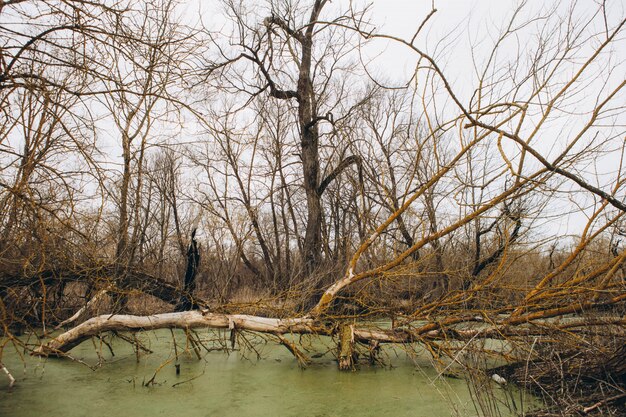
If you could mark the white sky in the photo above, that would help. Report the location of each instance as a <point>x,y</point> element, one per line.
<point>449,36</point>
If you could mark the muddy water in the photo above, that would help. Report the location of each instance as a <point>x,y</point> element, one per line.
<point>236,384</point>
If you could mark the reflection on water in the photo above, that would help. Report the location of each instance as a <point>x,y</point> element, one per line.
<point>226,384</point>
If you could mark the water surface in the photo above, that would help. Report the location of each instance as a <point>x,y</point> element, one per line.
<point>220,384</point>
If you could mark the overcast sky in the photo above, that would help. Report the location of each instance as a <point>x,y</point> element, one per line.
<point>448,35</point>
<point>460,34</point>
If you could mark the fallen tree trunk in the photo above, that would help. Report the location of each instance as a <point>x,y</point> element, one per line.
<point>156,287</point>
<point>204,319</point>
<point>186,320</point>
<point>307,325</point>
<point>132,280</point>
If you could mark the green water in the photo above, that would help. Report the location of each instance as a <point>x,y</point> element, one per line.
<point>220,384</point>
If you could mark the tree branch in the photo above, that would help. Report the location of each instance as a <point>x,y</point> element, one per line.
<point>275,20</point>
<point>353,159</point>
<point>274,91</point>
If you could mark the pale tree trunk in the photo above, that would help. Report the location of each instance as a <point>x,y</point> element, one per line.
<point>184,320</point>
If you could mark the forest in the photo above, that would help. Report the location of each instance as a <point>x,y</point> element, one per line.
<point>268,168</point>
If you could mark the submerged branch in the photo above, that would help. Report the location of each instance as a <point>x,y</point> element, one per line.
<point>8,374</point>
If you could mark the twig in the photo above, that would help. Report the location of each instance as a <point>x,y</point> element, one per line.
<point>6,371</point>
<point>135,342</point>
<point>303,360</point>
<point>151,380</point>
<point>191,341</point>
<point>586,410</point>
<point>188,380</point>
<point>175,346</point>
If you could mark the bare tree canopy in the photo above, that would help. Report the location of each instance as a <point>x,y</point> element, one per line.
<point>261,171</point>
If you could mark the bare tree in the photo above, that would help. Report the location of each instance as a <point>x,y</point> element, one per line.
<point>283,54</point>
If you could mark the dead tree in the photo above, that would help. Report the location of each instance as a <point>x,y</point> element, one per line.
<point>186,301</point>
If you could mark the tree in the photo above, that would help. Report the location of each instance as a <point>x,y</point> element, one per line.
<point>60,62</point>
<point>283,52</point>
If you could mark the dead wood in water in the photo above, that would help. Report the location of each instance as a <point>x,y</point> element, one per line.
<point>346,356</point>
<point>582,381</point>
<point>8,374</point>
<point>183,320</point>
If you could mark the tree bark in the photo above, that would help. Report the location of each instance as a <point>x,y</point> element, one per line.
<point>184,320</point>
<point>186,301</point>
<point>309,132</point>
<point>310,151</point>
<point>345,355</point>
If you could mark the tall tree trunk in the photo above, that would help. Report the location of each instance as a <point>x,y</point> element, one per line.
<point>310,153</point>
<point>309,134</point>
